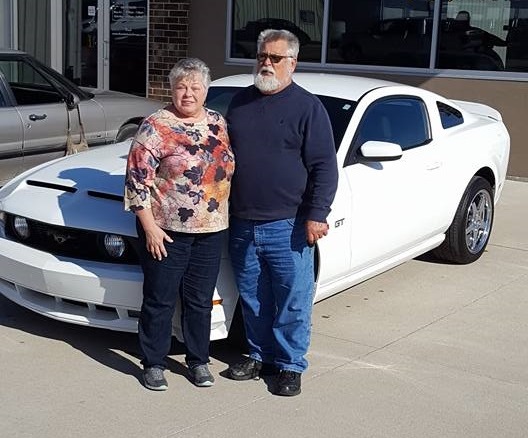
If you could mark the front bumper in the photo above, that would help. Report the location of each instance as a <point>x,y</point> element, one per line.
<point>87,293</point>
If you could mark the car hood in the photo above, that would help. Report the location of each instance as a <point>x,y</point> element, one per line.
<point>124,104</point>
<point>79,191</point>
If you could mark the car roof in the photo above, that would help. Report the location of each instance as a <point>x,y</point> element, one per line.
<point>326,84</point>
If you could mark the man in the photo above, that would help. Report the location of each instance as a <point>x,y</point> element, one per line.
<point>282,189</point>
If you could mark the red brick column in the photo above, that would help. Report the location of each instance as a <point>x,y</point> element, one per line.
<point>168,42</point>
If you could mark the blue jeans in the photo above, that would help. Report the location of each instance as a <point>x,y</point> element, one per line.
<point>190,269</point>
<point>273,267</point>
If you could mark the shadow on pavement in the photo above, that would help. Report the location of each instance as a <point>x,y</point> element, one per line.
<point>102,345</point>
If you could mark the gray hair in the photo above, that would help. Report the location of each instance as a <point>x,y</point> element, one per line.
<point>189,67</point>
<point>270,35</point>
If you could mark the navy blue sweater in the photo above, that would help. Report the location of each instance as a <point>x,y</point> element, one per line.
<point>285,155</point>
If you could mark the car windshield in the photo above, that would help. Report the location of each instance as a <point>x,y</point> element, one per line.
<point>339,110</point>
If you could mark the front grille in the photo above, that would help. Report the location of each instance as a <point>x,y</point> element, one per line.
<point>71,242</point>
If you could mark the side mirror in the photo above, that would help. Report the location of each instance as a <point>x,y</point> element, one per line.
<point>72,100</point>
<point>380,151</point>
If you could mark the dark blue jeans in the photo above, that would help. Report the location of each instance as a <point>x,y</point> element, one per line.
<point>274,272</point>
<point>190,269</point>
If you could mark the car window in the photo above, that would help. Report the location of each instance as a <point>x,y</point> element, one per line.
<point>339,110</point>
<point>449,116</point>
<point>400,120</point>
<point>28,86</point>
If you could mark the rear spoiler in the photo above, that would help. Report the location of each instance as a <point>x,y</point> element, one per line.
<point>479,109</point>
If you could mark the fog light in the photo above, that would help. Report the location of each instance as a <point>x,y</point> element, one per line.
<point>114,245</point>
<point>21,227</point>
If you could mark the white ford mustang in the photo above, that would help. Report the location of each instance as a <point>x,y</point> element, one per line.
<point>417,172</point>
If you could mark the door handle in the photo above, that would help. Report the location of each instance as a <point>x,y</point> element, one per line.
<point>434,165</point>
<point>34,117</point>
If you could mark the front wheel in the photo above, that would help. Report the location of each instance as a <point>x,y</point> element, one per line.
<point>126,132</point>
<point>469,233</point>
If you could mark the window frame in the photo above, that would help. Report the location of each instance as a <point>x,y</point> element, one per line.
<point>353,157</point>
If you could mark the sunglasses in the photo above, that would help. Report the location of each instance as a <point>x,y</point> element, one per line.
<point>275,59</point>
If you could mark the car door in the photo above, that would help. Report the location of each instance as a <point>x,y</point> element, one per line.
<point>11,135</point>
<point>40,107</point>
<point>393,202</point>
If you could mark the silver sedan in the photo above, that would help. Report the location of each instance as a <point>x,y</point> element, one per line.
<point>38,105</point>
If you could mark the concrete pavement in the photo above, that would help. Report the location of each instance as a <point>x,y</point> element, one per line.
<point>424,350</point>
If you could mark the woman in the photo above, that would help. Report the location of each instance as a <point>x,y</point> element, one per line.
<point>177,183</point>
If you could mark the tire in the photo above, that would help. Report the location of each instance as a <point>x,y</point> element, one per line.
<point>126,132</point>
<point>469,233</point>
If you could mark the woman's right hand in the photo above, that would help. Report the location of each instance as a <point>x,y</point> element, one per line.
<point>155,236</point>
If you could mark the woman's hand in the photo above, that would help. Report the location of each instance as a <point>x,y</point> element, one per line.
<point>155,236</point>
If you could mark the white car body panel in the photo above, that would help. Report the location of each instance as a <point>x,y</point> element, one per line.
<point>384,213</point>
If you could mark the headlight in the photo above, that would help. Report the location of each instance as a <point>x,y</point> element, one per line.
<point>21,227</point>
<point>115,245</point>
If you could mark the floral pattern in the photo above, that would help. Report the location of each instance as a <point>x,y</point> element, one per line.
<point>182,171</point>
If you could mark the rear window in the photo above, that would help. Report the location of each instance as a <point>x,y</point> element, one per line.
<point>449,116</point>
<point>339,110</point>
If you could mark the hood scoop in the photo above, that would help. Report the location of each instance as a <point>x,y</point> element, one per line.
<point>105,195</point>
<point>48,185</point>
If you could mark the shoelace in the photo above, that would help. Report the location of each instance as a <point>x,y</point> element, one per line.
<point>288,376</point>
<point>201,371</point>
<point>156,373</point>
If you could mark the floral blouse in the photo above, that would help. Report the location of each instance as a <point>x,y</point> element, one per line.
<point>182,171</point>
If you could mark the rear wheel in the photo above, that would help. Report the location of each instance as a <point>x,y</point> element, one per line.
<point>469,233</point>
<point>126,132</point>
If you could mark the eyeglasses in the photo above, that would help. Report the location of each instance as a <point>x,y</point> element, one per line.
<point>275,59</point>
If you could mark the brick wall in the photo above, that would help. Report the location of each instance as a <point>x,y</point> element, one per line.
<point>168,42</point>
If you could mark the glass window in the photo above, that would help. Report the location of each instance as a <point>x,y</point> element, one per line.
<point>304,18</point>
<point>449,116</point>
<point>390,32</point>
<point>401,120</point>
<point>28,85</point>
<point>471,34</point>
<point>339,110</point>
<point>477,35</point>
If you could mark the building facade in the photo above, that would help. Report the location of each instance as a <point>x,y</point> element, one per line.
<point>464,49</point>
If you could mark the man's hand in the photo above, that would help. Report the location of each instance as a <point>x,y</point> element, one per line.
<point>315,231</point>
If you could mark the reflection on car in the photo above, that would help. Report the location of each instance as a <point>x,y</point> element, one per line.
<point>245,39</point>
<point>37,104</point>
<point>417,173</point>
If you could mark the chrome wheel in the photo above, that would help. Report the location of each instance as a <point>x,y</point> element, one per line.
<point>478,221</point>
<point>469,233</point>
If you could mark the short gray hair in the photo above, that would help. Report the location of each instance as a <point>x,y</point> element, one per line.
<point>189,67</point>
<point>270,35</point>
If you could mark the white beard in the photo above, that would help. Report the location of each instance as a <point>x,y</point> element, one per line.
<point>266,84</point>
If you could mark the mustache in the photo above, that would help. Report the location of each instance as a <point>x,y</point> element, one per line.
<point>266,70</point>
